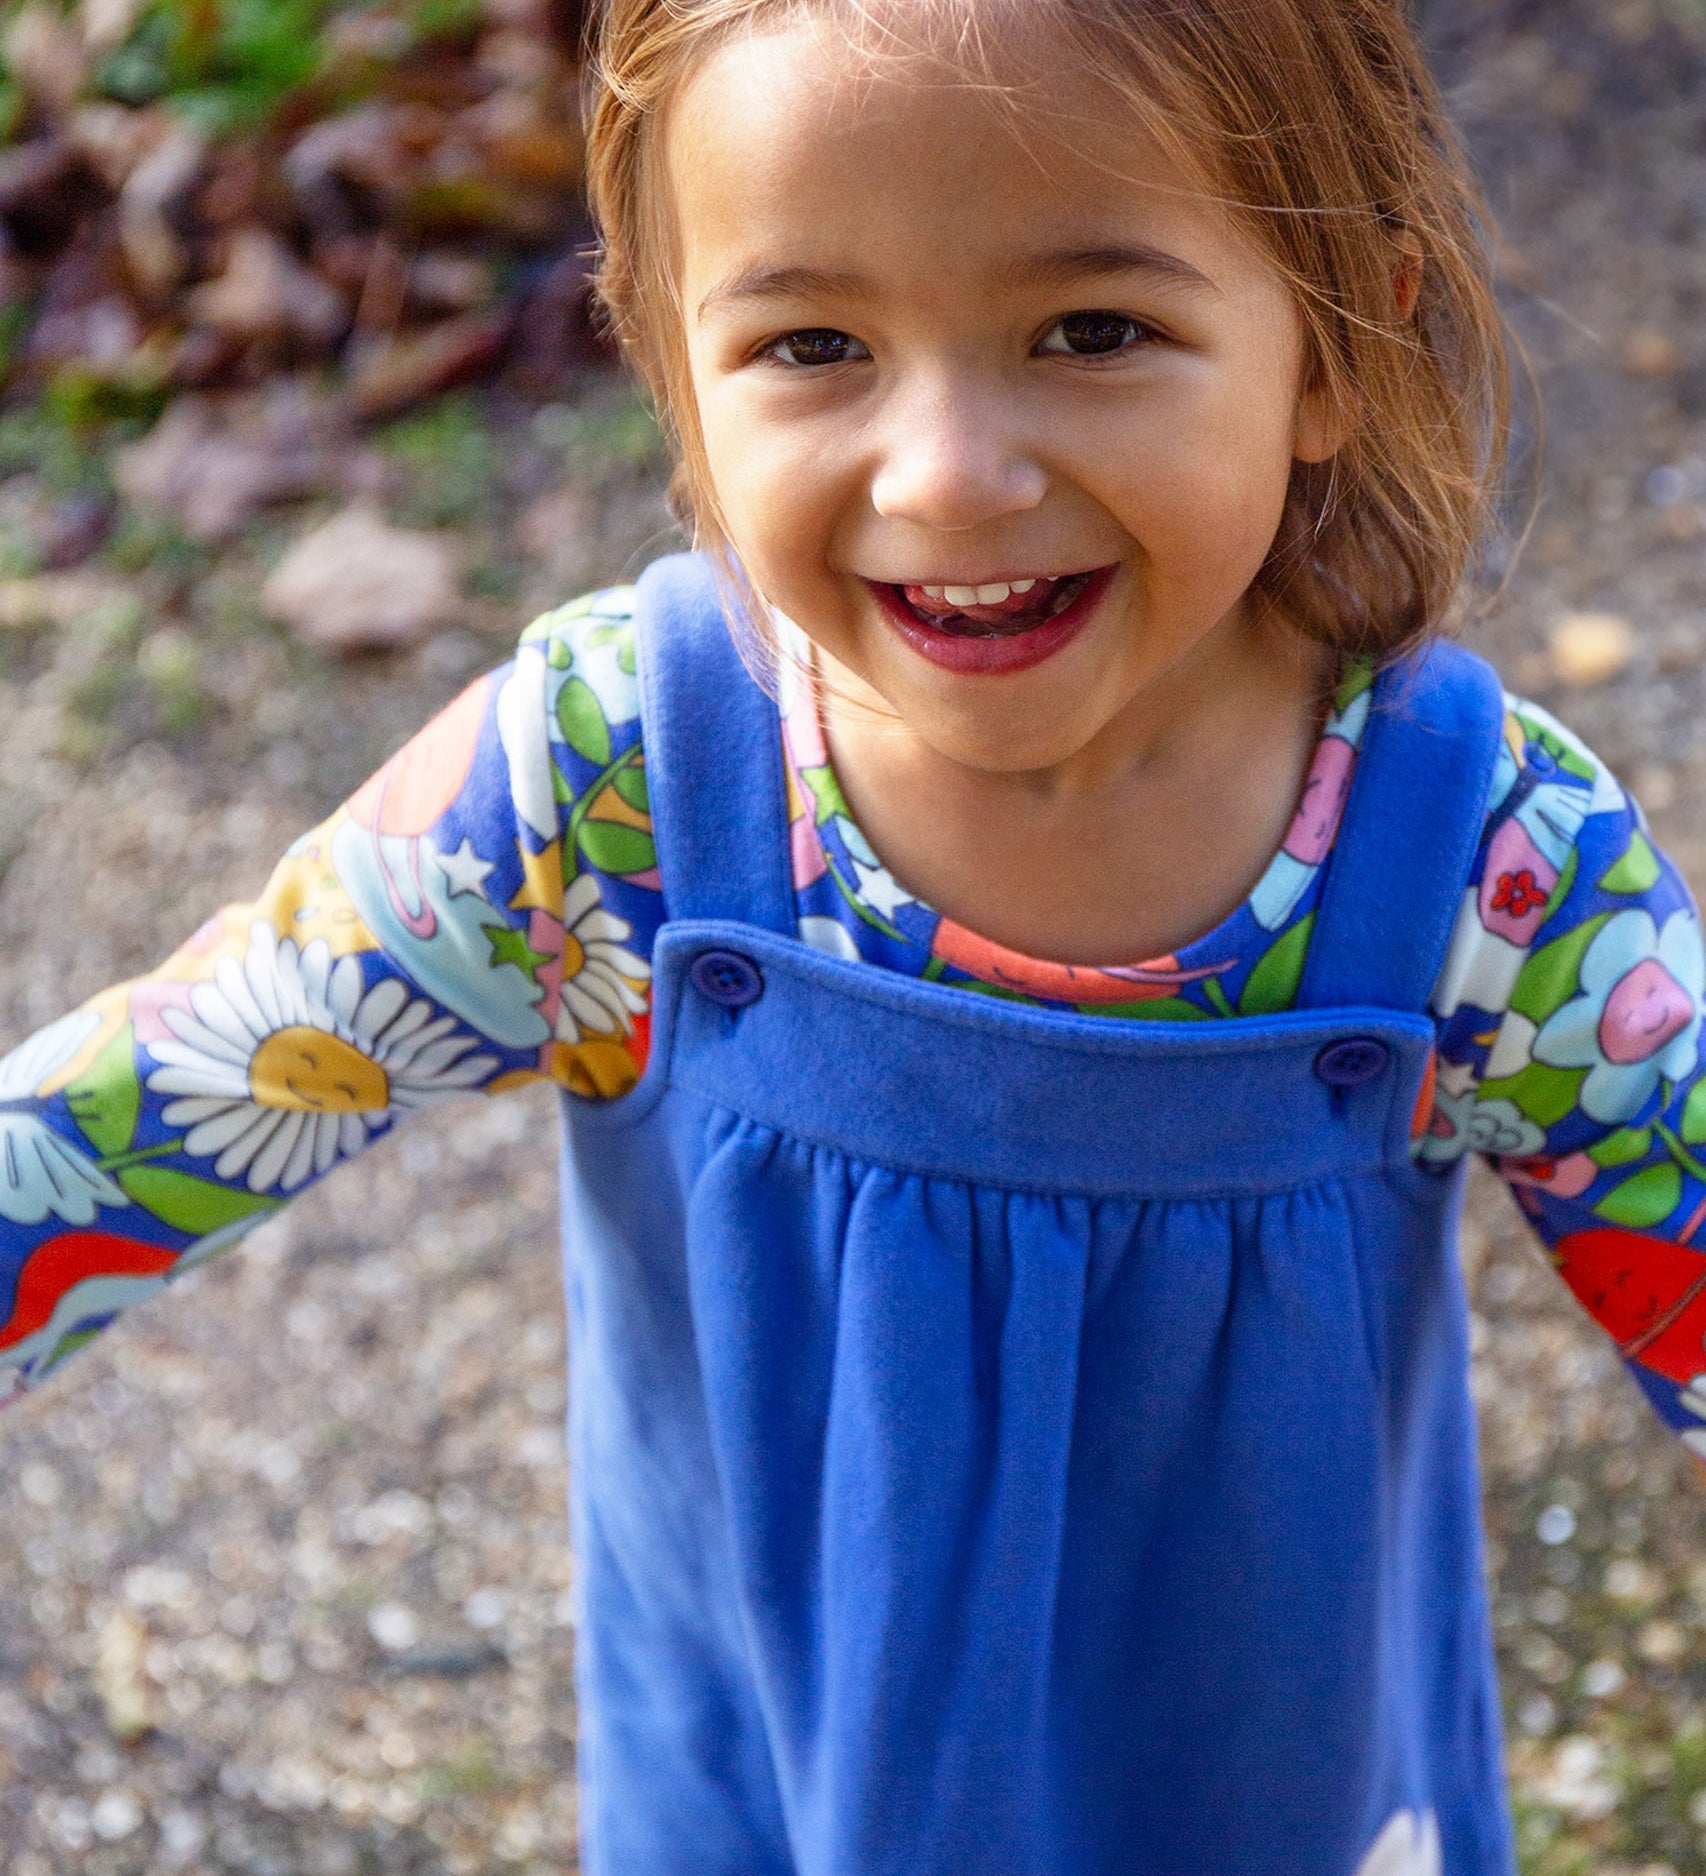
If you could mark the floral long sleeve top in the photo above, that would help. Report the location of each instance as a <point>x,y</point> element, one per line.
<point>482,912</point>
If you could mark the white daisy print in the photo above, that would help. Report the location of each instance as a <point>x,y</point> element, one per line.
<point>603,982</point>
<point>288,1064</point>
<point>41,1175</point>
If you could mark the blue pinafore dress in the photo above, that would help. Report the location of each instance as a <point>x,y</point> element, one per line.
<point>1007,1443</point>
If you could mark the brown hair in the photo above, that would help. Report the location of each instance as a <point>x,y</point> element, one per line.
<point>1321,126</point>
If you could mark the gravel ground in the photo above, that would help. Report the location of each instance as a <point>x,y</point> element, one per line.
<point>297,1533</point>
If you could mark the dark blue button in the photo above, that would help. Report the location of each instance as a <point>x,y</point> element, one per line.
<point>727,978</point>
<point>1350,1063</point>
<point>1540,760</point>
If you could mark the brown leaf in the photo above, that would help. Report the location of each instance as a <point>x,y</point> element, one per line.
<point>394,373</point>
<point>213,463</point>
<point>154,207</point>
<point>357,584</point>
<point>265,290</point>
<point>44,53</point>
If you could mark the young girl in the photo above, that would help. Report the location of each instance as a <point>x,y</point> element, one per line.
<point>1020,1415</point>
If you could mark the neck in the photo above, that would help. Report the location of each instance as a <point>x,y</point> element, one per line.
<point>1139,842</point>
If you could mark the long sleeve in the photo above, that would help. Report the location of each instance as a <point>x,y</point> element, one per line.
<point>479,914</point>
<point>1570,1052</point>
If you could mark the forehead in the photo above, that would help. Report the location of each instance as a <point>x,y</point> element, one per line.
<point>783,145</point>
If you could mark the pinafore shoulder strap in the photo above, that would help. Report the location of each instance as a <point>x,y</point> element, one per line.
<point>713,743</point>
<point>1415,818</point>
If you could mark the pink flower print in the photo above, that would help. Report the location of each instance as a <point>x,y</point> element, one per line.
<point>1636,1019</point>
<point>1325,791</point>
<point>1566,1178</point>
<point>1645,1009</point>
<point>1516,886</point>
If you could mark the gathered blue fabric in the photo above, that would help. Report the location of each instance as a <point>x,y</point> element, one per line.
<point>1011,1442</point>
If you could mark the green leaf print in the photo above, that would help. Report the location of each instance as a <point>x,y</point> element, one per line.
<point>1217,997</point>
<point>999,991</point>
<point>606,635</point>
<point>1544,1094</point>
<point>1552,974</point>
<point>509,946</point>
<point>630,784</point>
<point>1636,871</point>
<point>1359,676</point>
<point>106,1099</point>
<point>582,721</point>
<point>1644,1201</point>
<point>1272,985</point>
<point>1693,1123</point>
<point>1566,882</point>
<point>1623,1147</point>
<point>612,848</point>
<point>187,1204</point>
<point>559,654</point>
<point>826,792</point>
<point>1159,1010</point>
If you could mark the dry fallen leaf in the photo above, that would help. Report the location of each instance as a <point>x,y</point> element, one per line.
<point>358,584</point>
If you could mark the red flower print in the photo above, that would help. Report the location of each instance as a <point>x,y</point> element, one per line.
<point>1518,894</point>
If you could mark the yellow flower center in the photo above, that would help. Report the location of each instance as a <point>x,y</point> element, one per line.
<point>574,956</point>
<point>314,1073</point>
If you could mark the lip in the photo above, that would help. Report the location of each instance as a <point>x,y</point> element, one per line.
<point>992,657</point>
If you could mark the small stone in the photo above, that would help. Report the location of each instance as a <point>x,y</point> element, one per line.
<point>1651,354</point>
<point>1602,1679</point>
<point>394,1627</point>
<point>1662,1643</point>
<point>1589,648</point>
<point>115,1816</point>
<point>119,1677</point>
<point>1555,1525</point>
<point>358,584</point>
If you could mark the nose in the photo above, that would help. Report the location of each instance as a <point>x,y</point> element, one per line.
<point>952,459</point>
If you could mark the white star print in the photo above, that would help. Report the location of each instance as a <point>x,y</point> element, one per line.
<point>880,890</point>
<point>464,870</point>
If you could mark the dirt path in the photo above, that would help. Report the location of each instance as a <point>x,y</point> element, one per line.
<point>310,1510</point>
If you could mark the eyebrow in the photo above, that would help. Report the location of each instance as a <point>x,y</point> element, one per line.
<point>1057,267</point>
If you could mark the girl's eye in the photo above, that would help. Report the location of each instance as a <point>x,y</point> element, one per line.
<point>1094,335</point>
<point>817,345</point>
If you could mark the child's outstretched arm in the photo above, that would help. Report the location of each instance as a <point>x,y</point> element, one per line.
<point>479,914</point>
<point>1571,1052</point>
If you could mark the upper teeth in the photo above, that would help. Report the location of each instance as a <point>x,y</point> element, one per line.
<point>991,595</point>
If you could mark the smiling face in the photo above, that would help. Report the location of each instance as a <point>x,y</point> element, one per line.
<point>932,359</point>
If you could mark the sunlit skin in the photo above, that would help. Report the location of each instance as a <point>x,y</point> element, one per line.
<point>1004,392</point>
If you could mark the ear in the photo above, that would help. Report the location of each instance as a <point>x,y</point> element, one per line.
<point>1322,427</point>
<point>1406,273</point>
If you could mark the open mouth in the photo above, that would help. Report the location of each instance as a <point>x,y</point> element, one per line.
<point>1000,609</point>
